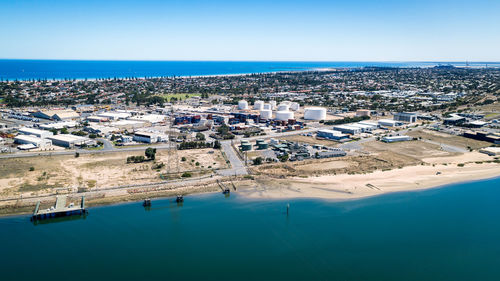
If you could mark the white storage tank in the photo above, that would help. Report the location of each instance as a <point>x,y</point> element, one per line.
<point>242,105</point>
<point>258,105</point>
<point>283,107</point>
<point>273,104</point>
<point>315,113</point>
<point>266,114</point>
<point>284,115</point>
<point>268,106</point>
<point>294,106</point>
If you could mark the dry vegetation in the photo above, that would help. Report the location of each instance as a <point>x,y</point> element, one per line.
<point>449,139</point>
<point>38,175</point>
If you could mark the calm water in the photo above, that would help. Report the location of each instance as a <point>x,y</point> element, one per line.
<point>452,233</point>
<point>67,69</point>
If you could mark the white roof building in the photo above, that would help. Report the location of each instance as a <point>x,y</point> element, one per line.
<point>35,132</point>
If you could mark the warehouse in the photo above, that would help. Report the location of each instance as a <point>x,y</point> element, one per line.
<point>146,137</point>
<point>58,125</point>
<point>347,129</point>
<point>389,123</point>
<point>31,140</point>
<point>71,141</point>
<point>364,128</point>
<point>408,117</point>
<point>35,132</point>
<point>151,118</point>
<point>114,115</point>
<point>331,134</point>
<point>396,138</point>
<point>58,114</point>
<point>129,125</point>
<point>374,125</point>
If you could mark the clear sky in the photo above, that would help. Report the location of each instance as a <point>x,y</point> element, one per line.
<point>314,30</point>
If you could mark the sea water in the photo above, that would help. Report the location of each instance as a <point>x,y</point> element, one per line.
<point>450,233</point>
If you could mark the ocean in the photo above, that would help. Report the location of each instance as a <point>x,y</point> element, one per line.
<point>75,69</point>
<point>449,233</point>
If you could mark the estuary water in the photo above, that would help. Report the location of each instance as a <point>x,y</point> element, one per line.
<point>449,233</point>
<point>79,69</point>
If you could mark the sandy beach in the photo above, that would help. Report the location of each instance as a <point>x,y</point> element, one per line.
<point>436,172</point>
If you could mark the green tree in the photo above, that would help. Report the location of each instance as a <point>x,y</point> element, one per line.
<point>150,153</point>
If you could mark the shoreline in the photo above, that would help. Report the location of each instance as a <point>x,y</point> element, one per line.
<point>308,189</point>
<point>357,186</point>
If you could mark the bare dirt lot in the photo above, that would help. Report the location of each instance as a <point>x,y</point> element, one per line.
<point>310,140</point>
<point>449,139</point>
<point>38,175</point>
<point>415,149</point>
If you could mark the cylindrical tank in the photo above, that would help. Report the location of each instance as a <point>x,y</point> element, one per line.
<point>315,113</point>
<point>263,145</point>
<point>246,146</point>
<point>294,106</point>
<point>268,106</point>
<point>273,104</point>
<point>284,115</point>
<point>242,105</point>
<point>283,107</point>
<point>258,105</point>
<point>266,114</point>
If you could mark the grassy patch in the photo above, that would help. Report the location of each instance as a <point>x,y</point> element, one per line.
<point>178,96</point>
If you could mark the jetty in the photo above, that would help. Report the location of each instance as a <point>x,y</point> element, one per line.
<point>59,209</point>
<point>223,187</point>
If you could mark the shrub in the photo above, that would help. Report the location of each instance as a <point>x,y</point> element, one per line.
<point>32,169</point>
<point>186,175</point>
<point>183,159</point>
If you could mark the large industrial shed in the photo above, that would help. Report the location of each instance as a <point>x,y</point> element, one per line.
<point>59,114</point>
<point>347,129</point>
<point>70,141</point>
<point>331,134</point>
<point>35,132</point>
<point>31,140</point>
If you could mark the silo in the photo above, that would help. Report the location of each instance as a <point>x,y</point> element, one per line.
<point>294,106</point>
<point>315,113</point>
<point>268,106</point>
<point>284,115</point>
<point>273,104</point>
<point>258,105</point>
<point>246,146</point>
<point>242,105</point>
<point>262,145</point>
<point>266,114</point>
<point>283,107</point>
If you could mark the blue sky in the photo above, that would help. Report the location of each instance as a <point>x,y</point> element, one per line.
<point>364,30</point>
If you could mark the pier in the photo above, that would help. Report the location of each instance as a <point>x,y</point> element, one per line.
<point>59,209</point>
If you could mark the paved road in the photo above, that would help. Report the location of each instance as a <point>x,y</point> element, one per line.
<point>237,165</point>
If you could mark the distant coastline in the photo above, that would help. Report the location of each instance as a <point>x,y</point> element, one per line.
<point>14,69</point>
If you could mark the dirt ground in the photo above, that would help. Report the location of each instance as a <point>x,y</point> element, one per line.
<point>449,139</point>
<point>310,140</point>
<point>38,175</point>
<point>415,149</point>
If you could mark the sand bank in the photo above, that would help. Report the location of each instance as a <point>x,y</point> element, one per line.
<point>439,172</point>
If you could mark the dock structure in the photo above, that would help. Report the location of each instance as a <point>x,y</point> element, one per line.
<point>59,209</point>
<point>223,187</point>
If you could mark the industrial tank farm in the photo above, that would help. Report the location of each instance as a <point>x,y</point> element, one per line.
<point>242,105</point>
<point>284,115</point>
<point>315,113</point>
<point>266,114</point>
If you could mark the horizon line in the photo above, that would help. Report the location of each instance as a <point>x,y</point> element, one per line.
<point>209,60</point>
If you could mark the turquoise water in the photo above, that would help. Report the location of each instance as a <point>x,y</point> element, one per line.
<point>77,69</point>
<point>450,233</point>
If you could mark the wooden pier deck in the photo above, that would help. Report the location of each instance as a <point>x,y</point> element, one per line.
<point>59,210</point>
